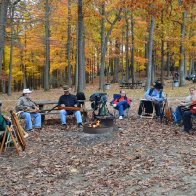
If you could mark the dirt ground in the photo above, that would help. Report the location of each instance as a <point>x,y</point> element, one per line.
<point>141,157</point>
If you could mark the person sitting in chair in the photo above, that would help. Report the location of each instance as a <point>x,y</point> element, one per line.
<point>188,114</point>
<point>121,103</point>
<point>69,100</point>
<point>156,96</point>
<point>183,106</point>
<point>27,109</point>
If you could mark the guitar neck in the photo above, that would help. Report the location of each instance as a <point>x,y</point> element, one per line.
<point>69,108</point>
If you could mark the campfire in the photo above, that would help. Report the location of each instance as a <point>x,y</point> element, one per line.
<point>101,125</point>
<point>96,124</point>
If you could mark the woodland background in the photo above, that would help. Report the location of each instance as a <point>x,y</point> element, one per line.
<point>47,43</point>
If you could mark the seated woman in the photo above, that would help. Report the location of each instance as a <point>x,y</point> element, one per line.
<point>188,114</point>
<point>121,103</point>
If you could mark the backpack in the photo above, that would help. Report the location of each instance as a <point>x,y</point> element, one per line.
<point>151,90</point>
<point>2,123</point>
<point>193,107</point>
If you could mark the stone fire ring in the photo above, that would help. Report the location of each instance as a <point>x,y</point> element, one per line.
<point>96,130</point>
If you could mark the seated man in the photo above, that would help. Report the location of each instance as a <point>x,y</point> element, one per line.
<point>69,100</point>
<point>156,96</point>
<point>187,114</point>
<point>184,106</point>
<point>121,103</point>
<point>28,110</point>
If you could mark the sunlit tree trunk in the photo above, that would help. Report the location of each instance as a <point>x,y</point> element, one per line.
<point>150,49</point>
<point>47,48</point>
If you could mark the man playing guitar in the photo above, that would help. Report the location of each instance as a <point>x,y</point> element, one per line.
<point>28,110</point>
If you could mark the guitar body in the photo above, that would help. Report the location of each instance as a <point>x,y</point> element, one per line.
<point>168,112</point>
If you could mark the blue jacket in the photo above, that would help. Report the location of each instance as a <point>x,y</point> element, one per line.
<point>154,95</point>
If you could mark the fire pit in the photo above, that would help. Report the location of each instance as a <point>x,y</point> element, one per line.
<point>103,124</point>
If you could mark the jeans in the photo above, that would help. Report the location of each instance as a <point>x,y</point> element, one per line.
<point>29,125</point>
<point>187,121</point>
<point>63,115</point>
<point>121,106</point>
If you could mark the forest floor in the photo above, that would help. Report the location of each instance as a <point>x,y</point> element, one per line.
<point>142,157</point>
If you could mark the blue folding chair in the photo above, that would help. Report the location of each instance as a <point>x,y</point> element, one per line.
<point>115,111</point>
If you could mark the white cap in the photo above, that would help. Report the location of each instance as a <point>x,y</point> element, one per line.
<point>26,90</point>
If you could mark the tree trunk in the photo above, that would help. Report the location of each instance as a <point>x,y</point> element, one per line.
<point>150,48</point>
<point>132,50</point>
<point>104,41</point>
<point>47,48</point>
<point>162,49</point>
<point>3,18</point>
<point>11,52</point>
<point>69,79</point>
<point>127,48</point>
<point>102,65</point>
<point>116,61</point>
<point>80,48</point>
<point>168,60</point>
<point>182,50</point>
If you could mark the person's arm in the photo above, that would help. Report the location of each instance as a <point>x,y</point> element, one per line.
<point>75,101</point>
<point>60,102</point>
<point>147,96</point>
<point>128,101</point>
<point>160,99</point>
<point>115,101</point>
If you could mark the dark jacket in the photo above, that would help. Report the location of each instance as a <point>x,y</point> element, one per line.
<point>68,100</point>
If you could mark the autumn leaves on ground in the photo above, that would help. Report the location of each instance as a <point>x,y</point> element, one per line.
<point>142,157</point>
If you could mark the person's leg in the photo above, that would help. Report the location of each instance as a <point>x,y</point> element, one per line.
<point>78,116</point>
<point>178,115</point>
<point>140,108</point>
<point>187,121</point>
<point>158,106</point>
<point>120,108</point>
<point>37,122</point>
<point>28,122</point>
<point>63,114</point>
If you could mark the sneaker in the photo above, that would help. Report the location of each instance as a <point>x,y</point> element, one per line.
<point>120,117</point>
<point>80,125</point>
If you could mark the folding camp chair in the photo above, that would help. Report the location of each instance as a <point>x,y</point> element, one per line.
<point>146,108</point>
<point>115,111</point>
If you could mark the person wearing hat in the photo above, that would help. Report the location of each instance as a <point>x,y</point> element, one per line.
<point>28,110</point>
<point>69,100</point>
<point>155,95</point>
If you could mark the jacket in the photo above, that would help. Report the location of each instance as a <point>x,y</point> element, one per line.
<point>68,100</point>
<point>23,103</point>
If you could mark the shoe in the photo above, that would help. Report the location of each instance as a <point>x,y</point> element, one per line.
<point>38,128</point>
<point>64,126</point>
<point>80,125</point>
<point>120,117</point>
